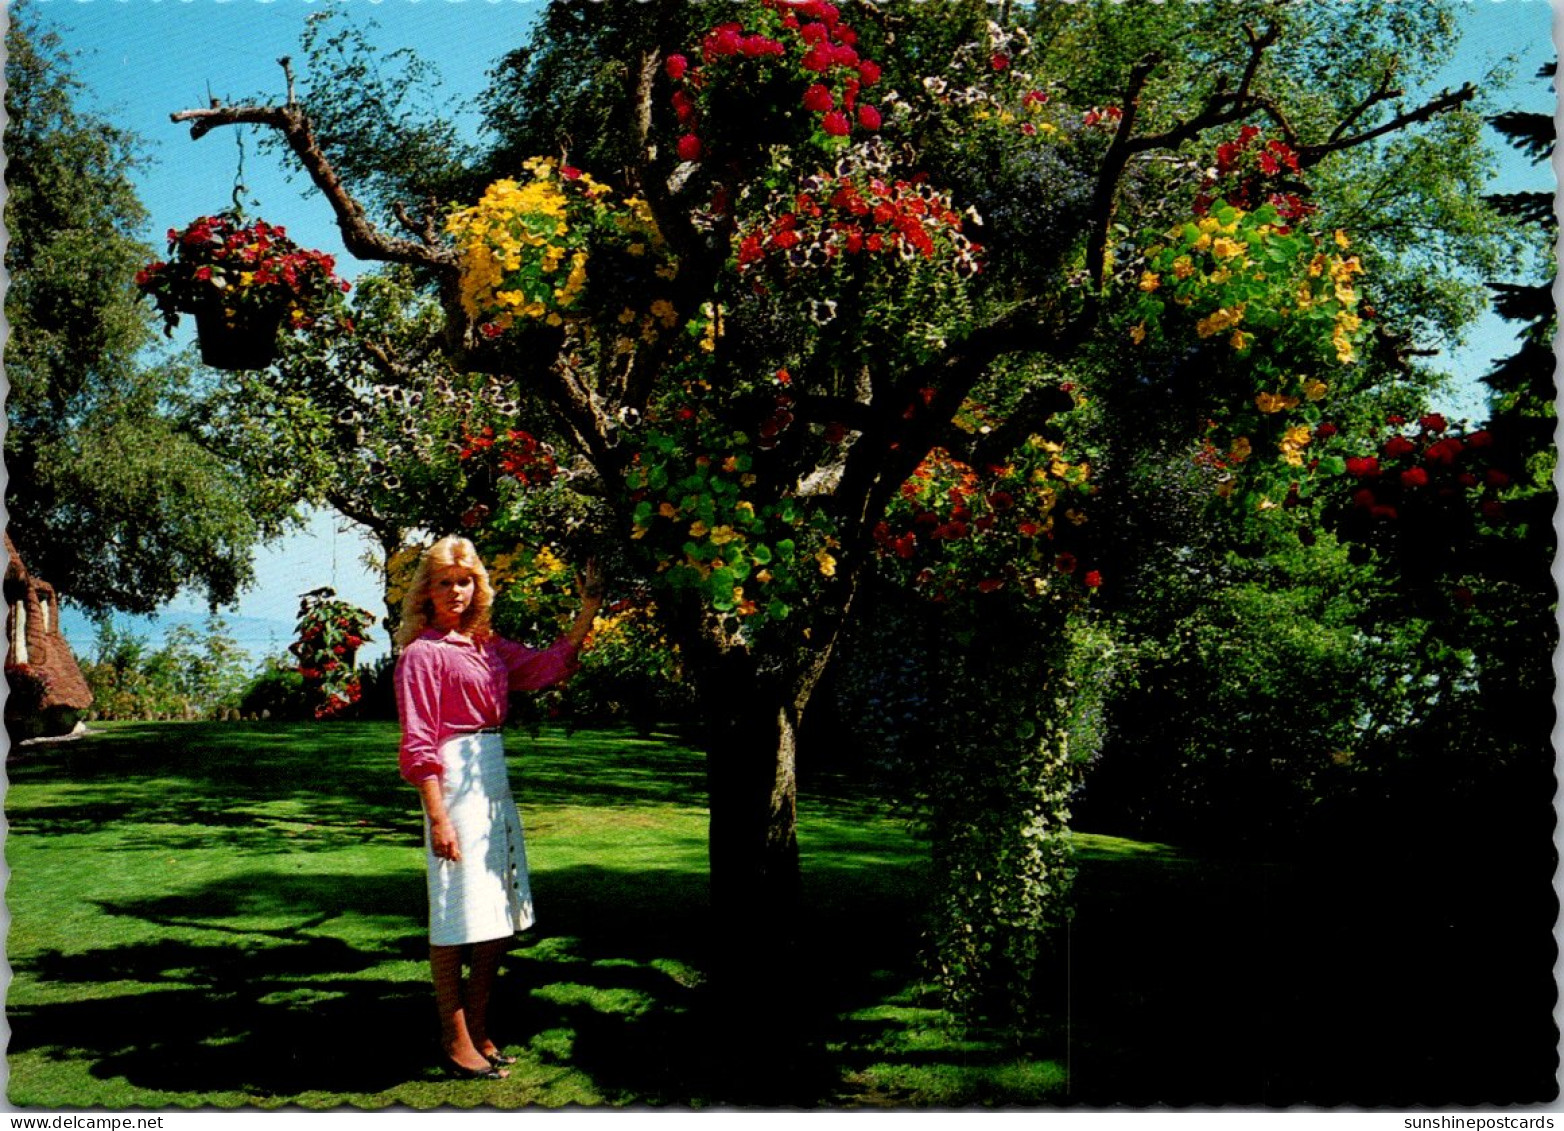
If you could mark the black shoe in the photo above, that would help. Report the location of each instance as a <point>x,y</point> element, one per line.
<point>498,1059</point>
<point>461,1072</point>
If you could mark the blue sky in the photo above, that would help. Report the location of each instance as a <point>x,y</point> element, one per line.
<point>144,59</point>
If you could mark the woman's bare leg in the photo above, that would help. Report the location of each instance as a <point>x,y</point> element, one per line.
<point>475,996</point>
<point>445,964</point>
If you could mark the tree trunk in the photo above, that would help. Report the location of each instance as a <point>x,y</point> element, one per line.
<point>751,705</point>
<point>758,985</point>
<point>753,788</point>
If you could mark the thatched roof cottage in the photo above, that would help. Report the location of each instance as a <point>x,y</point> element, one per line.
<point>48,694</point>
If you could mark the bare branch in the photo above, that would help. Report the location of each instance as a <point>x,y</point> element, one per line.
<point>423,228</point>
<point>360,236</point>
<point>1221,107</point>
<point>1113,164</point>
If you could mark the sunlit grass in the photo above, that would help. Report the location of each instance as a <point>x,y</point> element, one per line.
<point>224,915</point>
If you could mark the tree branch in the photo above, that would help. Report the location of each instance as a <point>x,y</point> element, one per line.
<point>424,229</point>
<point>1381,93</point>
<point>1222,107</point>
<point>906,423</point>
<point>1109,174</point>
<point>359,236</point>
<point>1037,407</point>
<point>1309,155</point>
<point>641,118</point>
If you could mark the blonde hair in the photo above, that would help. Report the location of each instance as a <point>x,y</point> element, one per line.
<point>417,605</point>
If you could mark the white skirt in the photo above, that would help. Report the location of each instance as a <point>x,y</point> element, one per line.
<point>484,895</point>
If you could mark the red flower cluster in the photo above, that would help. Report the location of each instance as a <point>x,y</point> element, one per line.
<point>1102,117</point>
<point>836,216</point>
<point>519,454</point>
<point>238,263</point>
<point>961,529</point>
<point>1247,163</point>
<point>1271,156</point>
<point>780,417</point>
<point>826,56</point>
<point>1433,469</point>
<point>330,633</point>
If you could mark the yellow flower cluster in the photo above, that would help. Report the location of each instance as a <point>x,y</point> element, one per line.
<point>1339,272</point>
<point>1293,442</point>
<point>399,572</point>
<point>1224,318</point>
<point>1274,402</point>
<point>630,627</point>
<point>523,251</point>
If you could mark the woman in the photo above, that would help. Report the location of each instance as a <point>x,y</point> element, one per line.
<point>452,684</point>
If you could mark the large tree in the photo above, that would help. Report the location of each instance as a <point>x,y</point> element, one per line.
<point>109,494</point>
<point>768,330</point>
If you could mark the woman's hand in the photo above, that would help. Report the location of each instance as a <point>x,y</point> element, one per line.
<point>442,840</point>
<point>442,830</point>
<point>591,582</point>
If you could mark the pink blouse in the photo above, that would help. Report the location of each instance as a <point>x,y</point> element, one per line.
<point>446,684</point>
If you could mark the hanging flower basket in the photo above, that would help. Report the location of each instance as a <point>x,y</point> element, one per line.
<point>245,339</point>
<point>330,633</point>
<point>245,282</point>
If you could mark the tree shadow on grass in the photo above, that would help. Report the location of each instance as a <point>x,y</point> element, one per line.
<point>259,1010</point>
<point>257,999</point>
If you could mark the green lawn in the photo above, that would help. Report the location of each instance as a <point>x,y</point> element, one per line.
<point>233,915</point>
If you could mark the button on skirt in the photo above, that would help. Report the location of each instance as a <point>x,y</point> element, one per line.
<point>484,895</point>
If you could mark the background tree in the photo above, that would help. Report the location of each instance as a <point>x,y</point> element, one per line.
<point>109,494</point>
<point>191,675</point>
